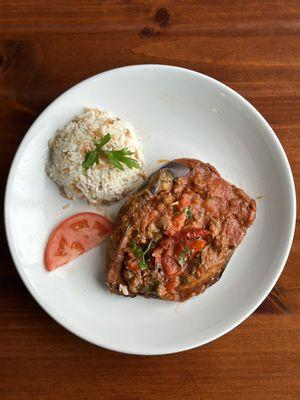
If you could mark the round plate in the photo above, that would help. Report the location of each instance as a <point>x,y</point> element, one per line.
<point>178,113</point>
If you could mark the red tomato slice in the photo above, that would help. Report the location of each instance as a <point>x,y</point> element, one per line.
<point>74,236</point>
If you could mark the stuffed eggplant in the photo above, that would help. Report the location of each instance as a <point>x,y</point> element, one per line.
<point>176,234</point>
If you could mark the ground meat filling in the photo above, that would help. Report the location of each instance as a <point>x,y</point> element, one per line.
<point>180,238</point>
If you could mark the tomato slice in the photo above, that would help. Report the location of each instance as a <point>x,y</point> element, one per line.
<point>74,236</point>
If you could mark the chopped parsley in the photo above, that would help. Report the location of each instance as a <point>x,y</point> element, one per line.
<point>142,254</point>
<point>189,212</point>
<point>182,256</point>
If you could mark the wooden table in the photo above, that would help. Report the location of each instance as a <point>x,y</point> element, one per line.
<point>48,46</point>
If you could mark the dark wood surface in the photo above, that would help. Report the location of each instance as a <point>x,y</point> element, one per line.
<point>46,47</point>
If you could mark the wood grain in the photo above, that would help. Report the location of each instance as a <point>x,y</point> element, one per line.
<point>46,47</point>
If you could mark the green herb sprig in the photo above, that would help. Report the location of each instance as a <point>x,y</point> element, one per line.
<point>116,157</point>
<point>142,255</point>
<point>182,256</point>
<point>189,212</point>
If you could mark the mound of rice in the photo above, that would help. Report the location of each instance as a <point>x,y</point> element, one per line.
<point>102,183</point>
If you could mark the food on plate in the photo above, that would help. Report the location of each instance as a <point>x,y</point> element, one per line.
<point>74,236</point>
<point>97,157</point>
<point>176,234</point>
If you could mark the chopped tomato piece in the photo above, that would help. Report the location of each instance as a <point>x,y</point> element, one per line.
<point>193,233</point>
<point>164,244</point>
<point>170,266</point>
<point>177,223</point>
<point>133,266</point>
<point>196,245</point>
<point>132,263</point>
<point>174,252</point>
<point>74,236</point>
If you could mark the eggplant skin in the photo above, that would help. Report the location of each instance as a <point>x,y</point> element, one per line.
<point>176,234</point>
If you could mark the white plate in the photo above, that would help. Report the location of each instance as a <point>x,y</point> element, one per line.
<point>178,113</point>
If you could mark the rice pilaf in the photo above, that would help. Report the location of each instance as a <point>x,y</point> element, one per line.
<point>102,182</point>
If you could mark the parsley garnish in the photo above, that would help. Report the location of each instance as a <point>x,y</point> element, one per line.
<point>116,157</point>
<point>91,158</point>
<point>182,256</point>
<point>138,251</point>
<point>189,212</point>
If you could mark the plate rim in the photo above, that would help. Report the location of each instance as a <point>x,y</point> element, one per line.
<point>178,348</point>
